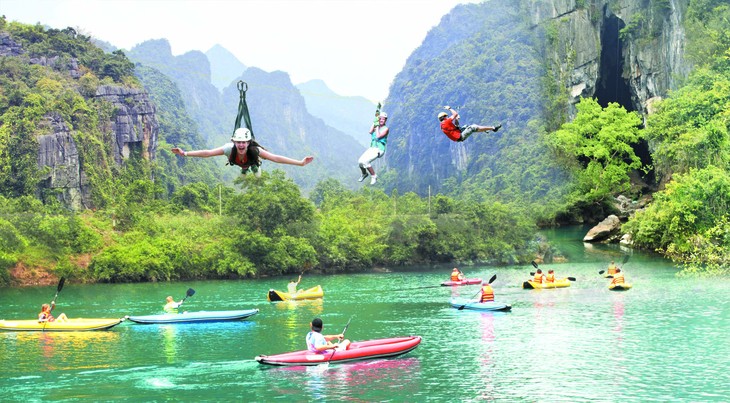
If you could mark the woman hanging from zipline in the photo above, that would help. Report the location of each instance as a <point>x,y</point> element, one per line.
<point>244,152</point>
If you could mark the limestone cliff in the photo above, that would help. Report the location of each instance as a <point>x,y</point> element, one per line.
<point>132,126</point>
<point>625,51</point>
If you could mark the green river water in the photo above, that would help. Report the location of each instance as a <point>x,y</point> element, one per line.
<point>664,340</point>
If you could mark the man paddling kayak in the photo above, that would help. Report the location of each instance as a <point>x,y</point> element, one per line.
<point>319,343</point>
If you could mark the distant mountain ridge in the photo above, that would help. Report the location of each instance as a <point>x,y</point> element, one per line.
<point>224,66</point>
<point>351,114</point>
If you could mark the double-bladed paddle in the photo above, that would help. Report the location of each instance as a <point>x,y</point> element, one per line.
<point>327,363</point>
<point>61,282</point>
<point>491,280</point>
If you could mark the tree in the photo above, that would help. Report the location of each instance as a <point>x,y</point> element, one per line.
<point>597,145</point>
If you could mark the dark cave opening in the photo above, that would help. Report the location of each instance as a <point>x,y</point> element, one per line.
<point>611,86</point>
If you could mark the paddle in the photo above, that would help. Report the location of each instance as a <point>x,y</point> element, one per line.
<point>190,293</point>
<point>327,363</point>
<point>491,280</point>
<point>61,282</point>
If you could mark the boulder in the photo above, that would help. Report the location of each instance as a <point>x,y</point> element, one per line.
<point>605,231</point>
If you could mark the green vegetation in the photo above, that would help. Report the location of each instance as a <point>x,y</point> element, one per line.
<point>689,220</point>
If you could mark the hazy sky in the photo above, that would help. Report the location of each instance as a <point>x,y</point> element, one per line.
<point>357,47</point>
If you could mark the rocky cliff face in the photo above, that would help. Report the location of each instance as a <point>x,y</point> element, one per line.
<point>133,125</point>
<point>625,51</point>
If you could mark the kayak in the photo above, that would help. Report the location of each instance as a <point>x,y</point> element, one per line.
<point>312,293</point>
<point>466,281</point>
<point>529,285</point>
<point>619,287</point>
<point>361,350</point>
<point>194,317</point>
<point>479,306</point>
<point>69,325</point>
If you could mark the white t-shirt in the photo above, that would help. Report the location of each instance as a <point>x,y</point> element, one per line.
<point>314,340</point>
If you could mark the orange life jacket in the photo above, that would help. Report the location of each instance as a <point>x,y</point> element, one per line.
<point>487,293</point>
<point>612,269</point>
<point>455,276</point>
<point>618,278</point>
<point>538,277</point>
<point>550,278</point>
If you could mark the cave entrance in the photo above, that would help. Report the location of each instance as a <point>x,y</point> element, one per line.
<point>611,86</point>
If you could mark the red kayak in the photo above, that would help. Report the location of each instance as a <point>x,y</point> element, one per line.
<point>466,281</point>
<point>361,350</point>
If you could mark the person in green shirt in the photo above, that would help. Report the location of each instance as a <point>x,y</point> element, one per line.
<point>379,137</point>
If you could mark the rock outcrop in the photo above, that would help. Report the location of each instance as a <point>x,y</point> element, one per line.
<point>135,122</point>
<point>607,230</point>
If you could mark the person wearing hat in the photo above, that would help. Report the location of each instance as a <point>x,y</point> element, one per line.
<point>452,130</point>
<point>319,343</point>
<point>487,293</point>
<point>244,152</point>
<point>550,278</point>
<point>378,139</point>
<point>539,277</point>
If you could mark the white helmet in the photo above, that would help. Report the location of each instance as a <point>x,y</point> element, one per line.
<point>242,134</point>
<point>383,115</point>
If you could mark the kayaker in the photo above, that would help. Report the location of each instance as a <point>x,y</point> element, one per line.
<point>487,292</point>
<point>539,277</point>
<point>452,130</point>
<point>244,152</point>
<point>292,286</point>
<point>457,275</point>
<point>550,278</point>
<point>171,306</point>
<point>319,343</point>
<point>45,315</point>
<point>618,277</point>
<point>612,269</point>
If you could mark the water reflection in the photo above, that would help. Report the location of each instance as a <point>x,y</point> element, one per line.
<point>63,350</point>
<point>169,342</point>
<point>300,312</point>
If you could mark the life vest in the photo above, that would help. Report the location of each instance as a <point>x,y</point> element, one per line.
<point>550,278</point>
<point>171,307</point>
<point>250,159</point>
<point>612,269</point>
<point>487,293</point>
<point>450,129</point>
<point>538,278</point>
<point>455,275</point>
<point>45,317</point>
<point>379,143</point>
<point>618,278</point>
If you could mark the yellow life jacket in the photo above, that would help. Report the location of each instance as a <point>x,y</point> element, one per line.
<point>487,293</point>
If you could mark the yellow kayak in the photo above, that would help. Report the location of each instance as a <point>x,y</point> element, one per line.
<point>529,285</point>
<point>69,325</point>
<point>619,287</point>
<point>312,293</point>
